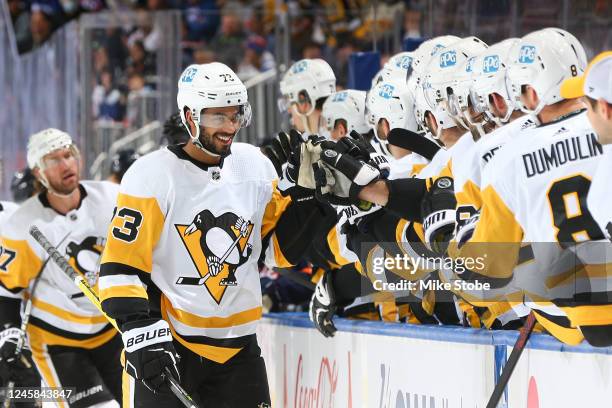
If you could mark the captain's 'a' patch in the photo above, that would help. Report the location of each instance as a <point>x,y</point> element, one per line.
<point>217,246</point>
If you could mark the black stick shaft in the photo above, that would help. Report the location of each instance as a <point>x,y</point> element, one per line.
<point>59,259</point>
<point>517,350</point>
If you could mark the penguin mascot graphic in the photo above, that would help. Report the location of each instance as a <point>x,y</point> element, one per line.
<point>224,243</point>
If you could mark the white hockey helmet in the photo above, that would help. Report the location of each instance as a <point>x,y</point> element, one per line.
<point>449,73</point>
<point>488,77</point>
<point>543,60</point>
<point>392,101</point>
<point>423,54</point>
<point>398,68</point>
<point>212,85</point>
<point>348,105</point>
<point>44,142</point>
<point>313,77</point>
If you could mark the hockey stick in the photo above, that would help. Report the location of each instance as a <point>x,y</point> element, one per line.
<point>296,277</point>
<point>414,142</point>
<point>517,350</point>
<point>191,281</point>
<point>93,297</point>
<point>26,320</point>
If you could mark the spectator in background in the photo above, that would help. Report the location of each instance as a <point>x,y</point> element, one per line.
<point>302,33</point>
<point>312,50</point>
<point>20,17</point>
<point>256,58</point>
<point>139,111</point>
<point>201,20</point>
<point>203,56</point>
<point>41,25</point>
<point>147,33</point>
<point>107,100</point>
<point>228,42</point>
<point>140,61</point>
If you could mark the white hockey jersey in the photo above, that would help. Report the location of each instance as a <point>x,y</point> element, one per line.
<point>6,209</point>
<point>187,237</point>
<point>61,314</point>
<point>537,194</point>
<point>600,194</point>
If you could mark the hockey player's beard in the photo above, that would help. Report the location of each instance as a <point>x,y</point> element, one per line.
<point>66,186</point>
<point>214,144</point>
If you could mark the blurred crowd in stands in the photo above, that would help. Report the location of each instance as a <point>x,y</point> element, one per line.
<point>242,34</point>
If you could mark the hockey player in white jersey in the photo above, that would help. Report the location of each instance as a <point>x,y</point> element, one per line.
<point>595,87</point>
<point>342,113</point>
<point>304,88</point>
<point>71,342</point>
<point>545,201</point>
<point>181,262</point>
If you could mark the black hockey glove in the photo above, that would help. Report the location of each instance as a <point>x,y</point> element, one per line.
<point>340,178</point>
<point>15,365</point>
<point>279,150</point>
<point>298,178</point>
<point>323,306</point>
<point>149,353</point>
<point>438,212</point>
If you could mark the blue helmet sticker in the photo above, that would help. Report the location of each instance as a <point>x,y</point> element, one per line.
<point>340,97</point>
<point>435,49</point>
<point>386,91</point>
<point>448,59</point>
<point>299,66</point>
<point>189,74</point>
<point>490,64</point>
<point>469,66</point>
<point>527,54</point>
<point>404,62</point>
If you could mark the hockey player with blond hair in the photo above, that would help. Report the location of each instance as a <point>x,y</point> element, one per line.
<point>71,342</point>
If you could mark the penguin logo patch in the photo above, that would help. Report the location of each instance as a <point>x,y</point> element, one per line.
<point>84,257</point>
<point>217,247</point>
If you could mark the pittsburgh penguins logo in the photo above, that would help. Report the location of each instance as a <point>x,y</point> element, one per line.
<point>84,257</point>
<point>217,246</point>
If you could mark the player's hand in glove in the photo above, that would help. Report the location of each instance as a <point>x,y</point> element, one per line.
<point>149,353</point>
<point>438,212</point>
<point>340,177</point>
<point>298,178</point>
<point>279,150</point>
<point>15,365</point>
<point>323,306</point>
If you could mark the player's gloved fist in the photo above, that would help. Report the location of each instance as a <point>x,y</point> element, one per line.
<point>323,306</point>
<point>15,364</point>
<point>366,152</point>
<point>149,354</point>
<point>438,212</point>
<point>343,176</point>
<point>278,151</point>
